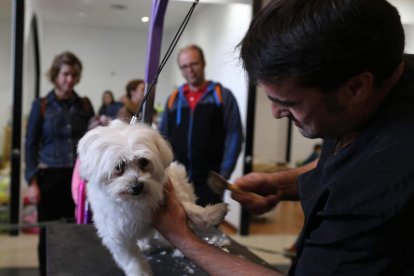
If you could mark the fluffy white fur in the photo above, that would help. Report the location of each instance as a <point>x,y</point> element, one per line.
<point>126,167</point>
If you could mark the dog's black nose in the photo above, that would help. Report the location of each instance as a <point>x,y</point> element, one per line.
<point>136,189</point>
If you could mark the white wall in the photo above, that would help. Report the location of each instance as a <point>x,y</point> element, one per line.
<point>409,38</point>
<point>406,10</point>
<point>226,27</point>
<point>5,76</point>
<point>270,139</point>
<point>110,57</point>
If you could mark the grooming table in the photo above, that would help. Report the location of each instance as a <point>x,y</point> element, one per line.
<point>74,249</point>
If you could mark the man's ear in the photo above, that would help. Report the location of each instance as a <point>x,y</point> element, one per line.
<point>360,85</point>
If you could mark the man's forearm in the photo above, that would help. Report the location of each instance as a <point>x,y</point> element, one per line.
<point>215,261</point>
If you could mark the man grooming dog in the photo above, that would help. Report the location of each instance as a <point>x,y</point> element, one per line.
<point>127,167</point>
<point>336,68</point>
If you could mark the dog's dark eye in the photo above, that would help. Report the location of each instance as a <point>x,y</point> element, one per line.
<point>142,163</point>
<point>119,168</point>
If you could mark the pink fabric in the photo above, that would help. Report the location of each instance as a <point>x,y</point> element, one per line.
<point>82,214</point>
<point>76,179</point>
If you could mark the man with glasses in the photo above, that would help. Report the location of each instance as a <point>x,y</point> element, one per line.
<point>202,122</point>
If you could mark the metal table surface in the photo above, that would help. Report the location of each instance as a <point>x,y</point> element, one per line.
<point>74,249</point>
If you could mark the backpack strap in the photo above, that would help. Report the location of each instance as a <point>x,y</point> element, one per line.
<point>172,98</point>
<point>218,96</point>
<point>86,104</point>
<point>43,103</point>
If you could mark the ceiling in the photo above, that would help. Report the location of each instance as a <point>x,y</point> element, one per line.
<point>111,13</point>
<point>107,13</point>
<point>128,13</point>
<point>118,13</point>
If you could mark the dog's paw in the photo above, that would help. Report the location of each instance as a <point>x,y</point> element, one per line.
<point>216,213</point>
<point>144,245</point>
<point>205,216</point>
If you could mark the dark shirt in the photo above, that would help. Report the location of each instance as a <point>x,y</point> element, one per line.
<point>359,203</point>
<point>110,110</point>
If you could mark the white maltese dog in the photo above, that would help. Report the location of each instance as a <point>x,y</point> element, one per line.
<point>126,167</point>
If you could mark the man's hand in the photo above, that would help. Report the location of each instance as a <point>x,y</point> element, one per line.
<point>273,187</point>
<point>170,219</point>
<point>258,183</point>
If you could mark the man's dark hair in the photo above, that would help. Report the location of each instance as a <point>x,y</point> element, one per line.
<point>322,43</point>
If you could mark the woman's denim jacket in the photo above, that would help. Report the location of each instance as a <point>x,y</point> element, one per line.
<point>53,132</point>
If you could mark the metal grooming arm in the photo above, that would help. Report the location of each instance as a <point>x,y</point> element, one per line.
<point>153,55</point>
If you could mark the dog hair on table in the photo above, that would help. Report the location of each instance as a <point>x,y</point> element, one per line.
<point>126,167</point>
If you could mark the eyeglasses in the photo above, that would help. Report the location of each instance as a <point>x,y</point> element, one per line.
<point>191,65</point>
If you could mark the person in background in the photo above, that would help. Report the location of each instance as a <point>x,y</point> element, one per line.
<point>202,122</point>
<point>107,112</point>
<point>56,124</point>
<point>109,107</point>
<point>317,148</point>
<point>135,91</point>
<point>336,68</point>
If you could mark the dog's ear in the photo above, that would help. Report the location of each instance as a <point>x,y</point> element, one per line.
<point>87,154</point>
<point>165,151</point>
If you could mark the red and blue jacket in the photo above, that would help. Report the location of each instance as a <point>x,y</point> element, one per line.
<point>206,138</point>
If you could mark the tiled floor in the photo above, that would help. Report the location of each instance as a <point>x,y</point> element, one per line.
<point>18,255</point>
<point>18,251</point>
<point>274,231</point>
